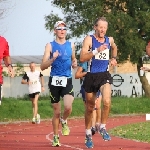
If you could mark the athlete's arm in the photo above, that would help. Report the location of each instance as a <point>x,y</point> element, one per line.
<point>7,60</point>
<point>42,82</point>
<point>113,47</point>
<point>79,74</point>
<point>25,79</point>
<point>74,60</point>
<point>46,61</point>
<point>85,55</point>
<point>113,61</point>
<point>41,79</point>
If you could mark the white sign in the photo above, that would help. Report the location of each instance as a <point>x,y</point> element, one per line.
<point>126,85</point>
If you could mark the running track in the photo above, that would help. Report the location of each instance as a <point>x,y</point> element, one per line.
<point>27,136</point>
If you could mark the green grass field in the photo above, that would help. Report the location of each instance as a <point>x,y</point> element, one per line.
<point>21,109</point>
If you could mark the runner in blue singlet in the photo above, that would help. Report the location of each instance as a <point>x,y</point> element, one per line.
<point>98,76</point>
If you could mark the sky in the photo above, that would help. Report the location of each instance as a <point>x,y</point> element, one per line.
<point>23,25</point>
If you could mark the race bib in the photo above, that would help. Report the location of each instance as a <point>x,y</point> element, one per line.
<point>59,81</point>
<point>103,55</point>
<point>33,82</point>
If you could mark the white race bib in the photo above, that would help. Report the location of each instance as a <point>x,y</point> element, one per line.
<point>33,82</point>
<point>59,81</point>
<point>103,55</point>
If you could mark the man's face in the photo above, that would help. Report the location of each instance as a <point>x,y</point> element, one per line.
<point>60,31</point>
<point>32,67</point>
<point>101,28</point>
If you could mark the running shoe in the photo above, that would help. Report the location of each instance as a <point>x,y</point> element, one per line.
<point>33,120</point>
<point>104,134</point>
<point>38,119</point>
<point>65,129</point>
<point>55,142</point>
<point>88,141</point>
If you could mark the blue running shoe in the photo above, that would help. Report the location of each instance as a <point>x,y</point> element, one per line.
<point>105,135</point>
<point>88,141</point>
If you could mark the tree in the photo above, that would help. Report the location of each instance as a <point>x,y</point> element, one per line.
<point>129,24</point>
<point>19,70</point>
<point>5,7</point>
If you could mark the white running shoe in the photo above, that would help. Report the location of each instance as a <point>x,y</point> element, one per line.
<point>38,119</point>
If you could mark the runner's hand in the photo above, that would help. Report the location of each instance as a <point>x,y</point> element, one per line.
<point>10,71</point>
<point>74,63</point>
<point>102,47</point>
<point>42,89</point>
<point>55,54</point>
<point>113,62</point>
<point>145,68</point>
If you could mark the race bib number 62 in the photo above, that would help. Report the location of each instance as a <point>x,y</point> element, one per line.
<point>103,55</point>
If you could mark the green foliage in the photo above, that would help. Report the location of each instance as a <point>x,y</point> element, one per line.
<point>19,71</point>
<point>129,22</point>
<point>5,74</point>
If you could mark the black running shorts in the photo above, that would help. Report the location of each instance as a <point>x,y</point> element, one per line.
<point>58,91</point>
<point>33,94</point>
<point>93,81</point>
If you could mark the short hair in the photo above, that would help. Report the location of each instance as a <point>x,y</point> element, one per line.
<point>32,63</point>
<point>98,19</point>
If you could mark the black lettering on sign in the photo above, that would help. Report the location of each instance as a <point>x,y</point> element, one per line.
<point>131,81</point>
<point>116,93</point>
<point>134,93</point>
<point>136,81</point>
<point>58,82</point>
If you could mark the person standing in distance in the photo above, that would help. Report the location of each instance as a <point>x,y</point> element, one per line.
<point>4,56</point>
<point>35,81</point>
<point>98,76</point>
<point>60,55</point>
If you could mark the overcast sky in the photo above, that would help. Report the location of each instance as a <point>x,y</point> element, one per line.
<point>23,26</point>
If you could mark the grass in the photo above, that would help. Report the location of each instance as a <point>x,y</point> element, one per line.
<point>21,109</point>
<point>138,131</point>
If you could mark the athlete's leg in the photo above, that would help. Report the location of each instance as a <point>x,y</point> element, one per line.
<point>89,106</point>
<point>98,109</point>
<point>34,99</point>
<point>106,97</point>
<point>94,116</point>
<point>68,100</point>
<point>56,117</point>
<point>98,113</point>
<point>35,104</point>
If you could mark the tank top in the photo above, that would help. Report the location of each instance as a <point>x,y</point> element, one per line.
<point>99,62</point>
<point>62,64</point>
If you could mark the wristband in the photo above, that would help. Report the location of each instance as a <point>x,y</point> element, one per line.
<point>95,51</point>
<point>114,57</point>
<point>9,65</point>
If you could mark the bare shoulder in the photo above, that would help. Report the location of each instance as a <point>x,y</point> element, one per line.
<point>87,42</point>
<point>88,38</point>
<point>48,47</point>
